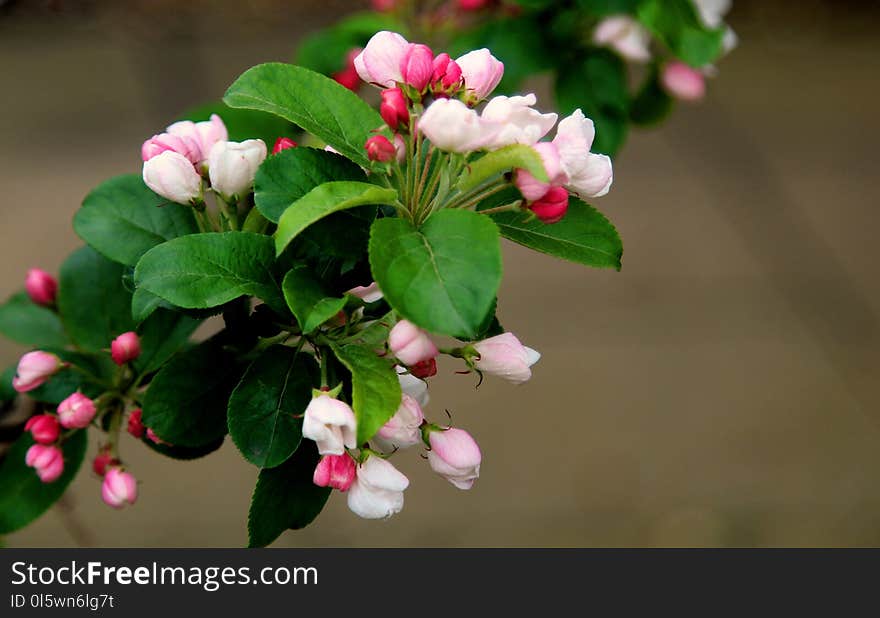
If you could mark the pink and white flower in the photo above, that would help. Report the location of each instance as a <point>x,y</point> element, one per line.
<point>517,121</point>
<point>172,176</point>
<point>624,35</point>
<point>232,166</point>
<point>377,493</point>
<point>119,488</point>
<point>44,428</point>
<point>336,471</point>
<point>404,428</point>
<point>76,412</point>
<point>202,134</point>
<point>589,174</point>
<point>453,127</point>
<point>683,82</point>
<point>410,344</point>
<point>455,456</point>
<point>331,424</point>
<point>41,287</point>
<point>481,72</point>
<point>125,348</point>
<point>379,62</point>
<point>534,189</point>
<point>48,461</point>
<point>504,356</point>
<point>34,368</point>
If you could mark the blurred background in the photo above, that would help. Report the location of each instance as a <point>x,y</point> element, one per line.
<point>721,390</point>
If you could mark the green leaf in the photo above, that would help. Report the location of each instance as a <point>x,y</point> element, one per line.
<point>323,200</point>
<point>601,8</point>
<point>652,104</point>
<point>443,276</point>
<point>7,392</point>
<point>264,407</point>
<point>597,84</point>
<point>206,270</point>
<point>24,321</point>
<point>317,103</point>
<point>144,303</point>
<point>93,302</point>
<point>285,497</point>
<point>23,496</point>
<point>286,177</point>
<point>325,51</point>
<point>375,388</point>
<point>677,24</point>
<point>515,156</point>
<point>242,124</point>
<point>308,301</point>
<point>95,373</point>
<point>186,402</point>
<point>162,335</point>
<point>584,236</point>
<point>122,219</point>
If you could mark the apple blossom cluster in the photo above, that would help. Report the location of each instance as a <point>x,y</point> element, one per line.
<point>633,41</point>
<point>349,269</point>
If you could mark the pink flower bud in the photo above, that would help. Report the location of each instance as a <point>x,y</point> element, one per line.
<point>393,109</point>
<point>417,66</point>
<point>532,188</point>
<point>455,456</point>
<point>135,423</point>
<point>402,429</point>
<point>185,145</point>
<point>232,166</point>
<point>41,287</point>
<point>119,488</point>
<point>34,368</point>
<point>368,294</point>
<point>172,176</point>
<point>473,5</point>
<point>447,75</point>
<point>504,356</point>
<point>481,72</point>
<point>551,208</point>
<point>283,143</point>
<point>205,133</point>
<point>683,82</point>
<point>377,492</point>
<point>424,369</point>
<point>379,62</point>
<point>76,412</point>
<point>410,344</point>
<point>379,148</point>
<point>44,428</point>
<point>48,461</point>
<point>125,348</point>
<point>102,461</point>
<point>337,471</point>
<point>348,78</point>
<point>331,424</point>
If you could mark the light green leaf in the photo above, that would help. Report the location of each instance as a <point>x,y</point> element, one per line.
<point>30,324</point>
<point>317,103</point>
<point>503,160</point>
<point>443,276</point>
<point>323,200</point>
<point>122,219</point>
<point>678,25</point>
<point>23,496</point>
<point>206,270</point>
<point>264,407</point>
<point>375,388</point>
<point>286,177</point>
<point>308,301</point>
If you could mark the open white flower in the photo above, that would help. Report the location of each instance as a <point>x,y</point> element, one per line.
<point>517,121</point>
<point>589,174</point>
<point>377,492</point>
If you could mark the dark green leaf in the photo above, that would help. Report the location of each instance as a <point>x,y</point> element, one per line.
<point>264,407</point>
<point>286,177</point>
<point>652,104</point>
<point>183,453</point>
<point>206,270</point>
<point>443,276</point>
<point>324,200</point>
<point>317,103</point>
<point>162,334</point>
<point>308,301</point>
<point>122,219</point>
<point>584,236</point>
<point>186,402</point>
<point>285,497</point>
<point>23,496</point>
<point>375,388</point>
<point>30,324</point>
<point>144,303</point>
<point>601,8</point>
<point>93,302</point>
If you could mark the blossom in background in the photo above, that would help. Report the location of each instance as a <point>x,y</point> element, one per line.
<point>624,35</point>
<point>683,82</point>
